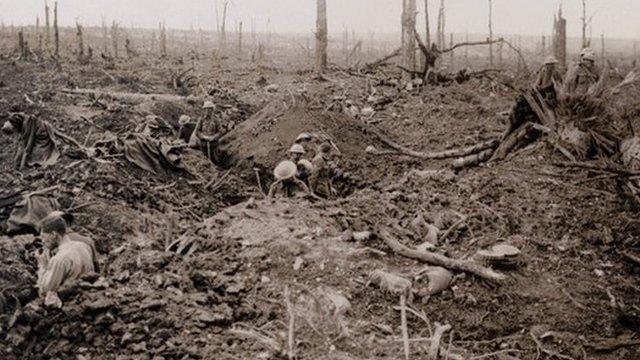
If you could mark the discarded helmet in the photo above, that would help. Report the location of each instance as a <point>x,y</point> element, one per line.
<point>184,119</point>
<point>550,60</point>
<point>588,54</point>
<point>208,105</point>
<point>285,170</point>
<point>296,149</point>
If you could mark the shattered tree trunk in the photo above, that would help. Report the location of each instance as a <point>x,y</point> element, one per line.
<point>602,49</point>
<point>408,38</point>
<point>223,32</point>
<point>48,28</point>
<point>114,38</point>
<point>163,40</point>
<point>240,39</point>
<point>427,24</point>
<point>440,33</point>
<point>80,42</point>
<point>105,38</point>
<point>490,33</point>
<point>321,36</point>
<point>56,33</point>
<point>585,43</point>
<point>560,39</point>
<point>21,45</point>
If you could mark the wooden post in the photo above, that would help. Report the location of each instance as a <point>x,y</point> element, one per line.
<point>408,38</point>
<point>80,42</point>
<point>56,33</point>
<point>490,33</point>
<point>321,36</point>
<point>48,28</point>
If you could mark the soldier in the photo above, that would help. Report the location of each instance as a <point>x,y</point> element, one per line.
<point>209,108</point>
<point>75,256</point>
<point>296,152</point>
<point>286,180</point>
<point>320,178</point>
<point>548,78</point>
<point>583,75</point>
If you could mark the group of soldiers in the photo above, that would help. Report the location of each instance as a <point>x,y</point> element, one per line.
<point>577,80</point>
<point>298,175</point>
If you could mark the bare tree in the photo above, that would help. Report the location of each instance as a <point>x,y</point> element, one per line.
<point>427,25</point>
<point>321,36</point>
<point>440,33</point>
<point>408,38</point>
<point>48,30</point>
<point>223,33</point>
<point>105,36</point>
<point>602,48</point>
<point>114,38</point>
<point>163,40</point>
<point>80,42</point>
<point>240,39</point>
<point>490,32</point>
<point>585,44</point>
<point>560,38</point>
<point>56,33</point>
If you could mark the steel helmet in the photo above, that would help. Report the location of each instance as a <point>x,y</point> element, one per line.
<point>304,136</point>
<point>296,149</point>
<point>305,164</point>
<point>550,60</point>
<point>184,119</point>
<point>587,54</point>
<point>285,170</point>
<point>208,105</point>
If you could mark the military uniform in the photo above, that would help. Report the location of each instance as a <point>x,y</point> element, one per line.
<point>75,256</point>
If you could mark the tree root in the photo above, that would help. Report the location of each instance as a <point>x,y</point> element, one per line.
<point>441,260</point>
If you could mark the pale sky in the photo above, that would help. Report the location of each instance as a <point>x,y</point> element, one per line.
<point>614,18</point>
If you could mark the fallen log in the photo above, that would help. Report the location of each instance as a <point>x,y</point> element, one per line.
<point>511,142</point>
<point>447,154</point>
<point>383,60</point>
<point>128,97</point>
<point>473,160</point>
<point>440,260</point>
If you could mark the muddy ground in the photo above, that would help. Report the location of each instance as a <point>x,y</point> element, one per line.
<point>259,263</point>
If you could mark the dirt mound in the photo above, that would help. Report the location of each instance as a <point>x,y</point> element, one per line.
<point>266,136</point>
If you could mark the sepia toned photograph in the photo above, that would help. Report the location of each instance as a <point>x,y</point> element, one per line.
<point>320,179</point>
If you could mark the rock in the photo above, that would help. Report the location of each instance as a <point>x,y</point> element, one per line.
<point>432,234</point>
<point>371,149</point>
<point>390,282</point>
<point>297,264</point>
<point>368,111</point>
<point>439,279</point>
<point>362,235</point>
<point>271,88</point>
<point>336,302</point>
<point>52,300</point>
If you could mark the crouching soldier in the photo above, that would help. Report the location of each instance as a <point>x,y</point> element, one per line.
<point>320,177</point>
<point>75,256</point>
<point>287,183</point>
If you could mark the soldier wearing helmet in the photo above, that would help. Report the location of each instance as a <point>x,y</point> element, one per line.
<point>320,178</point>
<point>548,79</point>
<point>296,151</point>
<point>583,75</point>
<point>287,182</point>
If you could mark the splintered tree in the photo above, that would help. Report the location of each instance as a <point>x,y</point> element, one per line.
<point>490,32</point>
<point>223,32</point>
<point>48,29</point>
<point>240,39</point>
<point>105,38</point>
<point>80,42</point>
<point>440,33</point>
<point>427,24</point>
<point>56,33</point>
<point>586,41</point>
<point>560,38</point>
<point>114,38</point>
<point>408,38</point>
<point>22,46</point>
<point>321,36</point>
<point>163,40</point>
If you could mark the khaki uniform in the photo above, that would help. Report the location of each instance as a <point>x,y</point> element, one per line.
<point>320,178</point>
<point>580,79</point>
<point>75,257</point>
